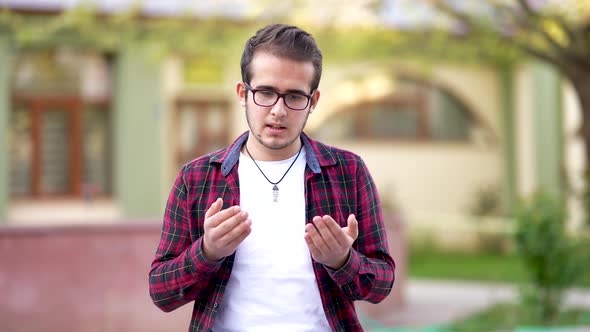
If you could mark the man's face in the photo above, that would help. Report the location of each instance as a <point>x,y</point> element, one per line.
<point>276,129</point>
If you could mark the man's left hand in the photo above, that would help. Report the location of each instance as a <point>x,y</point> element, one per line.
<point>328,243</point>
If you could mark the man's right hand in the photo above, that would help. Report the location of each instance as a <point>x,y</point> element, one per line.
<point>224,230</point>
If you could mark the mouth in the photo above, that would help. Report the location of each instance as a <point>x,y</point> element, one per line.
<point>275,127</point>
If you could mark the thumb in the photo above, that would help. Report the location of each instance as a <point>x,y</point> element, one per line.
<point>353,227</point>
<point>214,208</point>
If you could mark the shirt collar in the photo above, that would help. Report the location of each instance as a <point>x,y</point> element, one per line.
<point>317,154</point>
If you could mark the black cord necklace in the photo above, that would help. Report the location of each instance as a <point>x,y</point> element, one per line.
<point>275,188</point>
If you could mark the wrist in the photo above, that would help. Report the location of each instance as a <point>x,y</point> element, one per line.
<point>207,253</point>
<point>340,263</point>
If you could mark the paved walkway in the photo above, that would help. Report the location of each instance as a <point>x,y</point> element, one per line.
<point>435,302</point>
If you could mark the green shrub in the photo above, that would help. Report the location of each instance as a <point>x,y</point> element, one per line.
<point>553,260</point>
<point>487,202</point>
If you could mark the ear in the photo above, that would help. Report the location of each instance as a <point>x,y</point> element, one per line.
<point>314,100</point>
<point>241,92</point>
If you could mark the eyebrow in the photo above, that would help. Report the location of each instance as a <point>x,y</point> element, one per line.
<point>268,87</point>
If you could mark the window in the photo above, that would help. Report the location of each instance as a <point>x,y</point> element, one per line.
<point>59,136</point>
<point>203,126</point>
<point>418,110</point>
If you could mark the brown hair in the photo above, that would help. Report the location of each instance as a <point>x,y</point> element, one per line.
<point>284,41</point>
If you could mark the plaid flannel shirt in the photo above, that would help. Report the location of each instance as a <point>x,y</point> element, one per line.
<point>337,183</point>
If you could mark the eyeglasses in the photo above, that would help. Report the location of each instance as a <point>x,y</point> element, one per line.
<point>268,98</point>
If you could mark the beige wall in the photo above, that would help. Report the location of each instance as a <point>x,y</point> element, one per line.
<point>174,87</point>
<point>478,87</point>
<point>574,155</point>
<point>439,178</point>
<point>421,177</point>
<point>526,168</point>
<point>432,177</point>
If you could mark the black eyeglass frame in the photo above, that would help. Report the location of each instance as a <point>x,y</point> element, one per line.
<point>279,96</point>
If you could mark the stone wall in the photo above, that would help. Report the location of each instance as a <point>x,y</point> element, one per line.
<point>81,278</point>
<point>381,312</point>
<point>95,279</point>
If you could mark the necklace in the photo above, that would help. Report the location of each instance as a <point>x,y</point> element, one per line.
<point>275,188</point>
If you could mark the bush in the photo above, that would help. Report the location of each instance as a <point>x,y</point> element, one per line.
<point>487,203</point>
<point>553,260</point>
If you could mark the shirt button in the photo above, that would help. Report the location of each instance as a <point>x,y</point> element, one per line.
<point>215,305</point>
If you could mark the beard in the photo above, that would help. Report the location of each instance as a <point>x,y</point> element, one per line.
<point>273,145</point>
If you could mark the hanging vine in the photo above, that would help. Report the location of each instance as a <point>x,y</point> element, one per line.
<point>218,37</point>
<point>86,28</point>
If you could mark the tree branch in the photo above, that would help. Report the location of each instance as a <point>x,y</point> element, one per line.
<point>530,25</point>
<point>581,48</point>
<point>535,52</point>
<point>525,47</point>
<point>526,7</point>
<point>566,27</point>
<point>447,9</point>
<point>530,12</point>
<point>531,22</point>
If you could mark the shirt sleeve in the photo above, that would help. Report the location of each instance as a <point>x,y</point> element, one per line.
<point>368,274</point>
<point>180,271</point>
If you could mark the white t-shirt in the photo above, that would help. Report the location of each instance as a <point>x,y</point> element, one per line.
<point>272,286</point>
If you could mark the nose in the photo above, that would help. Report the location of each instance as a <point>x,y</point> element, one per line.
<point>279,109</point>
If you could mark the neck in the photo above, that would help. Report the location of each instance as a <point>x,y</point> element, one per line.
<point>263,153</point>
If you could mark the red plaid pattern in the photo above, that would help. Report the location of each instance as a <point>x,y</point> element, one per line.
<point>337,183</point>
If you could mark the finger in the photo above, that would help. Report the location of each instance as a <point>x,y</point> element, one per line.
<point>315,252</point>
<point>315,221</point>
<point>231,222</point>
<point>336,231</point>
<point>227,225</point>
<point>312,229</point>
<point>214,208</point>
<point>353,227</point>
<point>316,238</point>
<point>219,217</point>
<point>331,233</point>
<point>240,234</point>
<point>234,232</point>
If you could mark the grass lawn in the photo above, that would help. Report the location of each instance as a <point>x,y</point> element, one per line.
<point>510,317</point>
<point>437,264</point>
<point>503,317</point>
<point>424,263</point>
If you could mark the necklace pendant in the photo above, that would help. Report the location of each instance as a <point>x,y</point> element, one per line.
<point>275,193</point>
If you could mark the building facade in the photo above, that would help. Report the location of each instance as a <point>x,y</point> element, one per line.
<point>95,136</point>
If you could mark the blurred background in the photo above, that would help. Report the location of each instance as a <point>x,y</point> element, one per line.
<point>471,115</point>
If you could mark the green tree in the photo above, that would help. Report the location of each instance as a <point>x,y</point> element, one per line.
<point>554,259</point>
<point>557,32</point>
<point>493,31</point>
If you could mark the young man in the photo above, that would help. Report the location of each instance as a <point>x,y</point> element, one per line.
<point>276,232</point>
